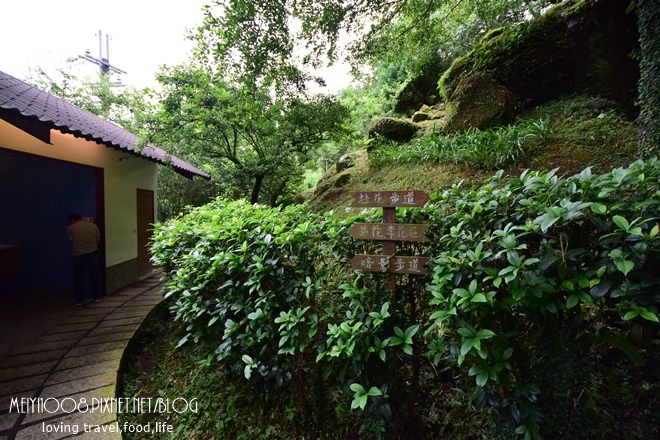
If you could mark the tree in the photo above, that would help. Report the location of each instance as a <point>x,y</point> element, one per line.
<point>260,39</point>
<point>258,139</point>
<point>272,42</point>
<point>406,31</point>
<point>176,194</point>
<point>97,94</point>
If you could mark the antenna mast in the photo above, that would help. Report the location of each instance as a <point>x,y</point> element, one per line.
<point>103,62</point>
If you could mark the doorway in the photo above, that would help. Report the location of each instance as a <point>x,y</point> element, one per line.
<point>145,221</point>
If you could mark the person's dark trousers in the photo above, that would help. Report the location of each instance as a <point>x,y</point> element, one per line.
<point>90,262</point>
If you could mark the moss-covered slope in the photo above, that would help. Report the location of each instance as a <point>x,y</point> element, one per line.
<point>584,131</point>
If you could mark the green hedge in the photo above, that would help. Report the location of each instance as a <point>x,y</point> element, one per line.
<point>539,316</point>
<point>532,276</point>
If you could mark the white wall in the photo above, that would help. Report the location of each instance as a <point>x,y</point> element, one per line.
<point>123,174</point>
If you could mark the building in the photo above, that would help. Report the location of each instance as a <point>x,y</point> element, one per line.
<point>57,159</point>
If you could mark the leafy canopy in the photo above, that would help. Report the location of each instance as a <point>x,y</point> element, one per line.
<point>259,40</point>
<point>260,141</point>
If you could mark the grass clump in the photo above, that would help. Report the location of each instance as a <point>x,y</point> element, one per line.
<point>569,134</point>
<point>490,149</point>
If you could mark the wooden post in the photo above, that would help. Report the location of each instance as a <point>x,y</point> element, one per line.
<point>389,247</point>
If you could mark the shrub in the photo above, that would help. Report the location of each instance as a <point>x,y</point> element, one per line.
<point>236,270</point>
<point>539,315</point>
<point>537,283</point>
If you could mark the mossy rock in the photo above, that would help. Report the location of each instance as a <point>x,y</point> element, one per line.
<point>392,129</point>
<point>431,127</point>
<point>480,103</point>
<point>339,175</point>
<point>420,116</point>
<point>648,13</point>
<point>576,46</point>
<point>342,180</point>
<point>345,162</point>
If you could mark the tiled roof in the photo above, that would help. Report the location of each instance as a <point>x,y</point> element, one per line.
<point>56,113</point>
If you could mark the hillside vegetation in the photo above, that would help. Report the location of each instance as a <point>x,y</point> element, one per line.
<point>569,134</point>
<point>538,317</point>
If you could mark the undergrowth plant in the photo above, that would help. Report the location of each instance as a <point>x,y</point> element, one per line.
<point>538,318</point>
<point>265,291</point>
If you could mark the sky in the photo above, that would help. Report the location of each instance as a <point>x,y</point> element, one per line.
<point>144,35</point>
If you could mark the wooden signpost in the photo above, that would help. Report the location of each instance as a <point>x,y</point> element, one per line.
<point>389,232</point>
<point>389,199</point>
<point>390,263</point>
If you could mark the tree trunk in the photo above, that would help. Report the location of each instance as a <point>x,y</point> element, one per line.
<point>277,193</point>
<point>256,188</point>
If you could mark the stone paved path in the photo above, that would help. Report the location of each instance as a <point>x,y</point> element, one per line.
<point>73,362</point>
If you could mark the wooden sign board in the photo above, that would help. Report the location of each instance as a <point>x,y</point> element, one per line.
<point>389,231</point>
<point>391,264</point>
<point>389,199</point>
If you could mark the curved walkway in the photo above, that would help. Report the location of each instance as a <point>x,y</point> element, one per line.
<point>73,362</point>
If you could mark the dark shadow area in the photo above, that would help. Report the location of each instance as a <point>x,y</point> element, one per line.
<point>25,315</point>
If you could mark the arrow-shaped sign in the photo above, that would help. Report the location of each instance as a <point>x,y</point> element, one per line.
<point>391,264</point>
<point>389,231</point>
<point>389,199</point>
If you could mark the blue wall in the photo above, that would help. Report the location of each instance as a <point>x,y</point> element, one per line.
<point>36,197</point>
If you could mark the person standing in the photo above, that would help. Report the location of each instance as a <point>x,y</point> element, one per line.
<point>85,238</point>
